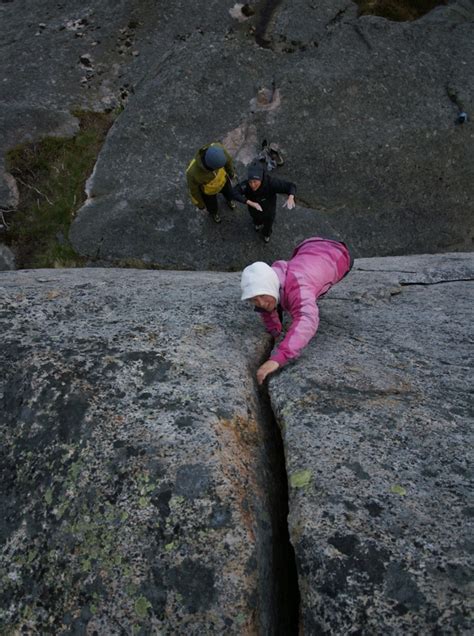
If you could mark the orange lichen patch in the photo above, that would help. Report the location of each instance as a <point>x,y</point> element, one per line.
<point>249,628</point>
<point>238,449</point>
<point>239,455</point>
<point>243,429</point>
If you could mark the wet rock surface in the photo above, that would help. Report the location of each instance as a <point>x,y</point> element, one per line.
<point>364,111</point>
<point>376,418</point>
<point>131,498</point>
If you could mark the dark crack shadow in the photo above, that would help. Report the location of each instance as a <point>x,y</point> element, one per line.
<point>337,19</point>
<point>265,14</point>
<point>363,37</point>
<point>426,283</point>
<point>282,573</point>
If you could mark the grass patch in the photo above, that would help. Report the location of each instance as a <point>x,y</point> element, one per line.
<point>398,10</point>
<point>51,176</point>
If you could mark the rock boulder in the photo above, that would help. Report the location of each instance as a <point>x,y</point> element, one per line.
<point>376,419</point>
<point>364,110</point>
<point>138,487</point>
<point>131,494</point>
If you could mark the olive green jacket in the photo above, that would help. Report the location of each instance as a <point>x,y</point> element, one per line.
<point>197,175</point>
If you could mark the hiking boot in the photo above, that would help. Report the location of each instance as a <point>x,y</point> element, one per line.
<point>266,239</point>
<point>258,227</point>
<point>216,218</point>
<point>231,205</point>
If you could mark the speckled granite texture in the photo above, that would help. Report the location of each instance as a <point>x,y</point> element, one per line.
<point>377,420</point>
<point>131,500</point>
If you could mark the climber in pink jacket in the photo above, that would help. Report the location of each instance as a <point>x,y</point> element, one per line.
<point>315,266</point>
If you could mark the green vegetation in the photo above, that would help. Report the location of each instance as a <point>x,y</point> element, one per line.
<point>51,176</point>
<point>300,479</point>
<point>398,10</point>
<point>142,605</point>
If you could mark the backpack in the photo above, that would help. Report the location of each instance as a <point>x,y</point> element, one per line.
<point>270,156</point>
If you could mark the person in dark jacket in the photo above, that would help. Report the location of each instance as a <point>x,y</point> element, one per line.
<point>262,189</point>
<point>209,173</point>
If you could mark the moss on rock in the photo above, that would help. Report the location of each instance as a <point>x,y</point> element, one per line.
<point>51,176</point>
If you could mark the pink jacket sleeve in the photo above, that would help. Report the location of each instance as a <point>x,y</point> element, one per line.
<point>272,322</point>
<point>305,321</point>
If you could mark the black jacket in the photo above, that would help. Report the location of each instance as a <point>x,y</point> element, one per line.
<point>266,194</point>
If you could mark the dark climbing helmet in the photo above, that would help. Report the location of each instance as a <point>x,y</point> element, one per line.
<point>215,158</point>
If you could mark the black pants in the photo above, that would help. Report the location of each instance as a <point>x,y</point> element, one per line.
<point>264,218</point>
<point>210,200</point>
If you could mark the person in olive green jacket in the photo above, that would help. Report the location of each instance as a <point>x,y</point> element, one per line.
<point>209,173</point>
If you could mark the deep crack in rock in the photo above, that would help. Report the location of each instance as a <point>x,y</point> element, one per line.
<point>282,572</point>
<point>435,282</point>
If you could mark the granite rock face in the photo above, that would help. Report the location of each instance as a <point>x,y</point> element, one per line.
<point>58,58</point>
<point>131,497</point>
<point>376,418</point>
<point>136,494</point>
<point>364,110</point>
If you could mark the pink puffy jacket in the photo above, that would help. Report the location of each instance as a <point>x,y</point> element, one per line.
<point>315,266</point>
